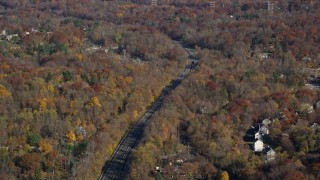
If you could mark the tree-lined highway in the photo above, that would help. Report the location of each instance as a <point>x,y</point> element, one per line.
<point>118,166</point>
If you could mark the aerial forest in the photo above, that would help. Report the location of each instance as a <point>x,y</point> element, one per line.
<point>76,75</point>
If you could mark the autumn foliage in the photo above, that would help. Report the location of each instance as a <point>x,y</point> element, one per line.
<point>78,73</point>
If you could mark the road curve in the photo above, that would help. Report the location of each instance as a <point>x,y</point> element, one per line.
<point>118,167</point>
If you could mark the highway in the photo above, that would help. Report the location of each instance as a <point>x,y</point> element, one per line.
<point>118,166</point>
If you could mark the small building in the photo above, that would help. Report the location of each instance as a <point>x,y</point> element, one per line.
<point>202,110</point>
<point>263,130</point>
<point>179,161</point>
<point>258,146</point>
<point>264,55</point>
<point>4,33</point>
<point>305,107</point>
<point>158,169</point>
<point>317,105</point>
<point>257,135</point>
<point>34,30</point>
<point>306,58</point>
<point>9,37</point>
<point>271,154</point>
<point>315,126</point>
<point>266,122</point>
<point>80,131</point>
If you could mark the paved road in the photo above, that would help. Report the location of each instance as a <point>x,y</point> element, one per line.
<point>118,167</point>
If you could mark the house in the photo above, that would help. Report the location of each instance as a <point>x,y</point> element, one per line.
<point>179,161</point>
<point>317,105</point>
<point>305,107</point>
<point>202,110</point>
<point>258,146</point>
<point>157,169</point>
<point>9,37</point>
<point>266,122</point>
<point>264,55</point>
<point>4,33</point>
<point>257,135</point>
<point>314,126</point>
<point>80,131</point>
<point>306,58</point>
<point>263,130</point>
<point>34,30</point>
<point>271,154</point>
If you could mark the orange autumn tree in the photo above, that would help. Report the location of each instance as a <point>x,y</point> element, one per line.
<point>45,146</point>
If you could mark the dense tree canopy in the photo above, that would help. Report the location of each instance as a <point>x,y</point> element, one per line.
<point>76,74</point>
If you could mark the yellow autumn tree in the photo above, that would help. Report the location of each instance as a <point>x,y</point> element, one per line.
<point>78,122</point>
<point>71,136</point>
<point>80,137</point>
<point>135,114</point>
<point>151,98</point>
<point>95,102</point>
<point>4,92</point>
<point>45,146</point>
<point>224,175</point>
<point>119,14</point>
<point>128,79</point>
<point>50,88</point>
<point>3,75</point>
<point>42,104</point>
<point>110,149</point>
<point>78,57</point>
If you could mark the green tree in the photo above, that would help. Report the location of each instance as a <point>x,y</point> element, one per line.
<point>30,49</point>
<point>77,23</point>
<point>117,37</point>
<point>33,139</point>
<point>49,77</point>
<point>67,76</point>
<point>80,148</point>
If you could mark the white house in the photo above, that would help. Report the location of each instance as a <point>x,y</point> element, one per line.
<point>257,135</point>
<point>180,161</point>
<point>314,126</point>
<point>258,146</point>
<point>4,33</point>
<point>318,105</point>
<point>9,37</point>
<point>264,55</point>
<point>266,122</point>
<point>305,107</point>
<point>157,169</point>
<point>34,30</point>
<point>263,130</point>
<point>271,155</point>
<point>80,131</point>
